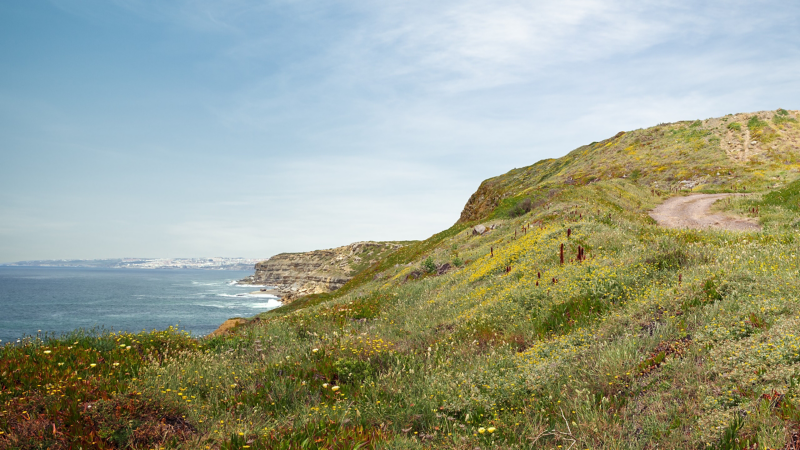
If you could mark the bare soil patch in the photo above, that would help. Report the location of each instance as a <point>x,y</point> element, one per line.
<point>227,326</point>
<point>693,211</point>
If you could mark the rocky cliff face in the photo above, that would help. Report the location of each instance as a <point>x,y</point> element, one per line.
<point>318,271</point>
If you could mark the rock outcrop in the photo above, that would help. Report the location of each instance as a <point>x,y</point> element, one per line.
<point>298,274</point>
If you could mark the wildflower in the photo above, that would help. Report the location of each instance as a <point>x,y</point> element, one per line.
<point>47,352</point>
<point>92,365</point>
<point>335,388</point>
<point>314,350</point>
<point>491,429</point>
<point>481,430</point>
<point>325,385</point>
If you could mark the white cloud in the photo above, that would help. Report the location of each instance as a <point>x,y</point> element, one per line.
<point>466,45</point>
<point>359,119</point>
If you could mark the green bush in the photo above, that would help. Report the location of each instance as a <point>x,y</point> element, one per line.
<point>755,123</point>
<point>735,126</point>
<point>522,207</point>
<point>428,265</point>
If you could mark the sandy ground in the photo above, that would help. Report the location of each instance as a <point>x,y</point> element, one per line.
<point>693,212</point>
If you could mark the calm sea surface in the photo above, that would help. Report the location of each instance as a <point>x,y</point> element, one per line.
<point>63,299</point>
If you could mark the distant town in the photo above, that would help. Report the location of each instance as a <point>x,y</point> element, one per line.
<point>210,263</point>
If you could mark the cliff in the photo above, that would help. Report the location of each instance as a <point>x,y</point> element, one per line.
<point>298,274</point>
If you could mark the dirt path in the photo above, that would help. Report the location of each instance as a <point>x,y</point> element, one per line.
<point>693,212</point>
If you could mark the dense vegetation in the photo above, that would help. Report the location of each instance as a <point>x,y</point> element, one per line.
<point>642,337</point>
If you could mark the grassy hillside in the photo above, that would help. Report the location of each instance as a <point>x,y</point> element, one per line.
<point>738,152</point>
<point>653,338</point>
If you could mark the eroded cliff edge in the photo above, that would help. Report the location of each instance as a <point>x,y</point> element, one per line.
<point>298,274</point>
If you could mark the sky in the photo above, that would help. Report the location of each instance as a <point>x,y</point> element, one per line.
<point>137,128</point>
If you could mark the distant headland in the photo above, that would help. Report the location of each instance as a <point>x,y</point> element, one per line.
<point>207,263</point>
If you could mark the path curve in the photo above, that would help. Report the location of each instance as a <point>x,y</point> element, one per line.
<point>693,212</point>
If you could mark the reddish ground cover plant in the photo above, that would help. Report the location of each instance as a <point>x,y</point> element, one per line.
<point>77,391</point>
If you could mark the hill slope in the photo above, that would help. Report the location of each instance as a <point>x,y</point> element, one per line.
<point>741,152</point>
<point>575,323</point>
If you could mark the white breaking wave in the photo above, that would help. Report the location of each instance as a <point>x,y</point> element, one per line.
<point>247,295</point>
<point>270,304</point>
<point>273,303</point>
<point>236,283</point>
<point>205,283</point>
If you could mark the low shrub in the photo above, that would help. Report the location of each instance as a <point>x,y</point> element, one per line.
<point>522,207</point>
<point>755,123</point>
<point>428,265</point>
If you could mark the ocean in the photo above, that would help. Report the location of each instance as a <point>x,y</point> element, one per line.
<point>56,300</point>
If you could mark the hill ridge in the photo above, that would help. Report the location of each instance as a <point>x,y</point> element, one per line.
<point>700,155</point>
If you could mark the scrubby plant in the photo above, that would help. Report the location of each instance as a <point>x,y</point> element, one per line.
<point>782,116</point>
<point>755,123</point>
<point>428,265</point>
<point>522,207</point>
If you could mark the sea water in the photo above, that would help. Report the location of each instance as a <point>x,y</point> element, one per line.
<point>58,300</point>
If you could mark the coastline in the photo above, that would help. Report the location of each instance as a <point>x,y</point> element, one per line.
<point>122,300</point>
<point>268,292</point>
<point>234,322</point>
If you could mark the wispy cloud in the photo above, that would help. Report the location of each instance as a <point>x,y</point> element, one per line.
<point>298,124</point>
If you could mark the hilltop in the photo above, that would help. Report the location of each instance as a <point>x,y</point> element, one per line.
<point>738,152</point>
<point>573,322</point>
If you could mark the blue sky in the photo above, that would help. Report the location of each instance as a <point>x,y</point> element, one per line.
<point>244,128</point>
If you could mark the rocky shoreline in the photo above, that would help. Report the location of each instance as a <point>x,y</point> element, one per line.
<point>270,292</point>
<point>294,275</point>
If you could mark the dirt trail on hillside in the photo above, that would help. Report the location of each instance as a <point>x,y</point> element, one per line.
<point>693,212</point>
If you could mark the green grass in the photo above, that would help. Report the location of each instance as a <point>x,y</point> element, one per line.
<point>776,210</point>
<point>787,198</point>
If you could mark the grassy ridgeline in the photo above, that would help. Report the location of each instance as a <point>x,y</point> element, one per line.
<point>685,339</point>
